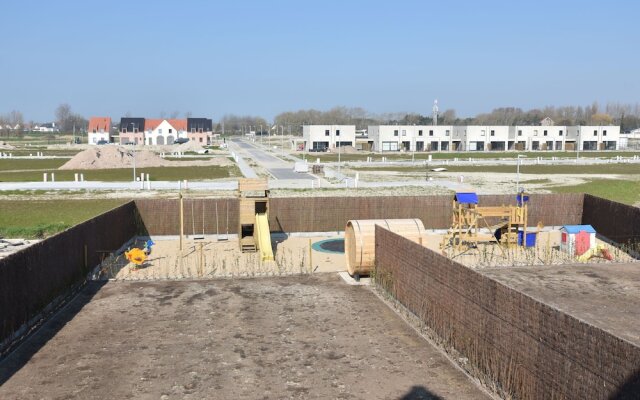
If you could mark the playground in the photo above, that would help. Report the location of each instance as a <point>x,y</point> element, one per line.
<point>541,279</point>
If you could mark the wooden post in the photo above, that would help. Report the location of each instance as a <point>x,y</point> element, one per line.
<point>181,222</point>
<point>200,268</point>
<point>310,257</point>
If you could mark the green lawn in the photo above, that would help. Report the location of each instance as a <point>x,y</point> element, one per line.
<point>126,174</point>
<point>23,151</point>
<point>622,169</point>
<point>22,164</point>
<point>623,191</point>
<point>42,218</point>
<point>331,157</point>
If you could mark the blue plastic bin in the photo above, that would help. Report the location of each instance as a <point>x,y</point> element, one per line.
<point>530,241</point>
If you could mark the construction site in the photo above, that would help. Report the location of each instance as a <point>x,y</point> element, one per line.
<point>446,296</point>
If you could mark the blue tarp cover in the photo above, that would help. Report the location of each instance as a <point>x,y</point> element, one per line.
<point>467,198</point>
<point>577,228</point>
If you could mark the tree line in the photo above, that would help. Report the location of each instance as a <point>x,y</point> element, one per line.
<point>625,115</point>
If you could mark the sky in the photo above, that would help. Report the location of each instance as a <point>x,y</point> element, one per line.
<point>211,58</point>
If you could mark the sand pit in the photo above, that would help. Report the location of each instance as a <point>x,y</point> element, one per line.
<point>111,157</point>
<point>209,258</point>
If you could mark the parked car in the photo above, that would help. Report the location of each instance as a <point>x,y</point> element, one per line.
<point>180,141</point>
<point>100,142</point>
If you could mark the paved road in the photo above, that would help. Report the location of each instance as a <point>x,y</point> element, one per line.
<point>279,168</point>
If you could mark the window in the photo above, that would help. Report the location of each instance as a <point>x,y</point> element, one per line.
<point>193,130</point>
<point>337,132</point>
<point>604,133</point>
<point>595,133</point>
<point>135,130</point>
<point>123,130</point>
<point>404,132</point>
<point>94,130</point>
<point>544,133</point>
<point>420,132</point>
<point>483,133</point>
<point>493,133</point>
<point>327,133</point>
<point>170,130</point>
<point>200,130</point>
<point>430,132</point>
<point>389,146</point>
<point>535,132</point>
<point>395,132</point>
<point>160,131</point>
<point>560,132</point>
<point>519,132</point>
<point>200,140</point>
<point>446,133</point>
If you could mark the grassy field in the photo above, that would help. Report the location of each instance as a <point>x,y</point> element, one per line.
<point>622,169</point>
<point>44,151</point>
<point>332,157</point>
<point>37,164</point>
<point>623,191</point>
<point>126,174</point>
<point>42,218</point>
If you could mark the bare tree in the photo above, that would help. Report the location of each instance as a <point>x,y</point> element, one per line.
<point>63,112</point>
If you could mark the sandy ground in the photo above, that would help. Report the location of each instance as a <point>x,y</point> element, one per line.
<point>546,252</point>
<point>605,295</point>
<point>271,338</point>
<point>486,183</point>
<point>208,258</point>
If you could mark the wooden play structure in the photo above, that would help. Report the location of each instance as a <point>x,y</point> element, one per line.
<point>253,230</point>
<point>360,243</point>
<point>472,224</point>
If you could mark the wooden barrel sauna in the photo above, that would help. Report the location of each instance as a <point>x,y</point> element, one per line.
<point>360,244</point>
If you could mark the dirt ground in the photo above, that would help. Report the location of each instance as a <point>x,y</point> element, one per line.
<point>605,295</point>
<point>287,337</point>
<point>208,258</point>
<point>545,252</point>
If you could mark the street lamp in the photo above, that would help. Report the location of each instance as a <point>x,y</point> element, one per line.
<point>134,152</point>
<point>520,156</point>
<point>578,146</point>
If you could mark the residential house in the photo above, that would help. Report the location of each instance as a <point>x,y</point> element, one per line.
<point>99,130</point>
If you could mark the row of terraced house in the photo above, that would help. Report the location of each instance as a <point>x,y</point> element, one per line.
<point>150,131</point>
<point>381,138</point>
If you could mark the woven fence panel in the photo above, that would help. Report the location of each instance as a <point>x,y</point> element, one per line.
<point>30,279</point>
<point>616,221</point>
<point>326,214</point>
<point>530,349</point>
<point>211,216</point>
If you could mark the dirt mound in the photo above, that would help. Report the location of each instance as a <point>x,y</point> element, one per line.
<point>6,146</point>
<point>189,146</point>
<point>108,157</point>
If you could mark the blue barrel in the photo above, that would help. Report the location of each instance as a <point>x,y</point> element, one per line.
<point>530,241</point>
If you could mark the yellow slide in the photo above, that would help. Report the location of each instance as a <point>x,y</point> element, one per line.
<point>263,237</point>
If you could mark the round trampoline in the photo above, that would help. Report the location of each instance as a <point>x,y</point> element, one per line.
<point>335,246</point>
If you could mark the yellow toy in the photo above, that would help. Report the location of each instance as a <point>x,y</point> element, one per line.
<point>136,256</point>
<point>598,251</point>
